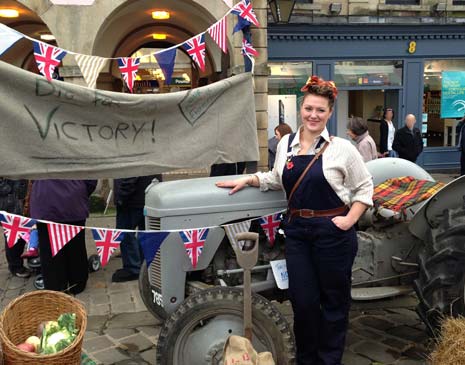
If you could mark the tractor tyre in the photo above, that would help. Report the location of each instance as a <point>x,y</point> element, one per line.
<point>441,282</point>
<point>197,331</point>
<point>145,291</point>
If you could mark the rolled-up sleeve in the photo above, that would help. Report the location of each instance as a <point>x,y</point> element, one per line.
<point>357,179</point>
<point>272,180</point>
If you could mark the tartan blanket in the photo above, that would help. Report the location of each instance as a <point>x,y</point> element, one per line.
<point>400,193</point>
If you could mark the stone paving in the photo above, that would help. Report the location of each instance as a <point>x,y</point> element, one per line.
<point>121,331</point>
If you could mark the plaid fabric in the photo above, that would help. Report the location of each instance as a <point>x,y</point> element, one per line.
<point>400,193</point>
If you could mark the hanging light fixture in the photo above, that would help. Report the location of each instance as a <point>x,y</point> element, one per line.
<point>281,10</point>
<point>9,13</point>
<point>160,14</point>
<point>159,36</point>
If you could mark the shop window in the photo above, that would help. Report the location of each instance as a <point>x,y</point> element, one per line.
<point>443,101</point>
<point>402,2</point>
<point>150,78</point>
<point>368,73</point>
<point>284,93</point>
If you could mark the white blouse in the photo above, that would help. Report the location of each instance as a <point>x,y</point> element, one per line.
<point>343,168</point>
<point>391,134</point>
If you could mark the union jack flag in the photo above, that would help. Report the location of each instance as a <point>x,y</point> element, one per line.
<point>15,227</point>
<point>47,57</point>
<point>128,67</point>
<point>270,225</point>
<point>60,234</point>
<point>244,10</point>
<point>247,49</point>
<point>218,33</point>
<point>106,242</point>
<point>195,47</point>
<point>194,240</point>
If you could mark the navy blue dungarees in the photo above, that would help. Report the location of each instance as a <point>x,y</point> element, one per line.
<point>319,258</point>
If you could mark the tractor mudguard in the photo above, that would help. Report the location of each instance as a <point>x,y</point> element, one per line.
<point>449,197</point>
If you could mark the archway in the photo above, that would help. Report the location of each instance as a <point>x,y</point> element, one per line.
<point>130,27</point>
<point>30,24</point>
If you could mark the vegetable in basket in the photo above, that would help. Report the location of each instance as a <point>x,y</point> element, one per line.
<point>58,335</point>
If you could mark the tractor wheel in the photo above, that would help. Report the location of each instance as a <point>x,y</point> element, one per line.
<point>441,282</point>
<point>197,331</point>
<point>145,292</point>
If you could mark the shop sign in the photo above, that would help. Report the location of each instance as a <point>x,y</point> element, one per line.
<point>453,94</point>
<point>181,81</point>
<point>371,80</point>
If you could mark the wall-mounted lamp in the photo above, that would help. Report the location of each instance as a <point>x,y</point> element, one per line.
<point>281,10</point>
<point>335,8</point>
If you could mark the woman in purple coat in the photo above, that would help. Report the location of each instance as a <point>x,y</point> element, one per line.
<point>63,201</point>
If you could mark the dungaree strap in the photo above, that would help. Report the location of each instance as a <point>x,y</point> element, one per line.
<point>301,177</point>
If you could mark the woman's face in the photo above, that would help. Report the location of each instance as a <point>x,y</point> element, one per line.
<point>351,134</point>
<point>277,134</point>
<point>388,114</point>
<point>315,113</point>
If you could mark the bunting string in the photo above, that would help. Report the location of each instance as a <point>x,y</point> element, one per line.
<point>107,240</point>
<point>48,57</point>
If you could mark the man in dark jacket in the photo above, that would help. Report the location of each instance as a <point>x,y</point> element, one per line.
<point>12,195</point>
<point>66,202</point>
<point>130,200</point>
<point>407,140</point>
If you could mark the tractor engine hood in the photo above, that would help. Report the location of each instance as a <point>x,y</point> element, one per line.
<point>201,196</point>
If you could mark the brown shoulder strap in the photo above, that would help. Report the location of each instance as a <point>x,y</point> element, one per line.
<point>301,177</point>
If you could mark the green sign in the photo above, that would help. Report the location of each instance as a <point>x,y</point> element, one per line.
<point>181,81</point>
<point>453,94</point>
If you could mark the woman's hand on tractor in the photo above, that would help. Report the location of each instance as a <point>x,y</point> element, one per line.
<point>236,184</point>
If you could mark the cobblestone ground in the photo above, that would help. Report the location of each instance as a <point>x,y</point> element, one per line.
<point>121,331</point>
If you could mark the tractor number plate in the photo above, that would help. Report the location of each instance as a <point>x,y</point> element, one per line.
<point>157,298</point>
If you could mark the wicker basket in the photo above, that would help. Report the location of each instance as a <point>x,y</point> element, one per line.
<point>22,316</point>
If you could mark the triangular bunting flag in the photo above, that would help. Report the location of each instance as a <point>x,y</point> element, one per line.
<point>244,10</point>
<point>90,67</point>
<point>15,227</point>
<point>8,37</point>
<point>128,67</point>
<point>106,242</point>
<point>165,60</point>
<point>151,243</point>
<point>247,49</point>
<point>218,33</point>
<point>233,229</point>
<point>195,47</point>
<point>270,225</point>
<point>241,24</point>
<point>47,57</point>
<point>194,240</point>
<point>60,234</point>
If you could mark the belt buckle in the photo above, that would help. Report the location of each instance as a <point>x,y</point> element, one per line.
<point>311,213</point>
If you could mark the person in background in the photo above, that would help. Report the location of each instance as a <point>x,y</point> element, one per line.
<point>67,202</point>
<point>130,201</point>
<point>386,134</point>
<point>357,130</point>
<point>461,144</point>
<point>407,141</point>
<point>12,196</point>
<point>279,131</point>
<point>323,207</point>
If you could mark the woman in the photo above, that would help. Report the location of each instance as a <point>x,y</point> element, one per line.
<point>321,241</point>
<point>386,134</point>
<point>357,130</point>
<point>280,131</point>
<point>62,201</point>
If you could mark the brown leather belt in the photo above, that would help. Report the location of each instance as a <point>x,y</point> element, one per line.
<point>309,213</point>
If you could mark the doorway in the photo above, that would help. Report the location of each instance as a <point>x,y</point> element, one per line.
<point>367,104</point>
